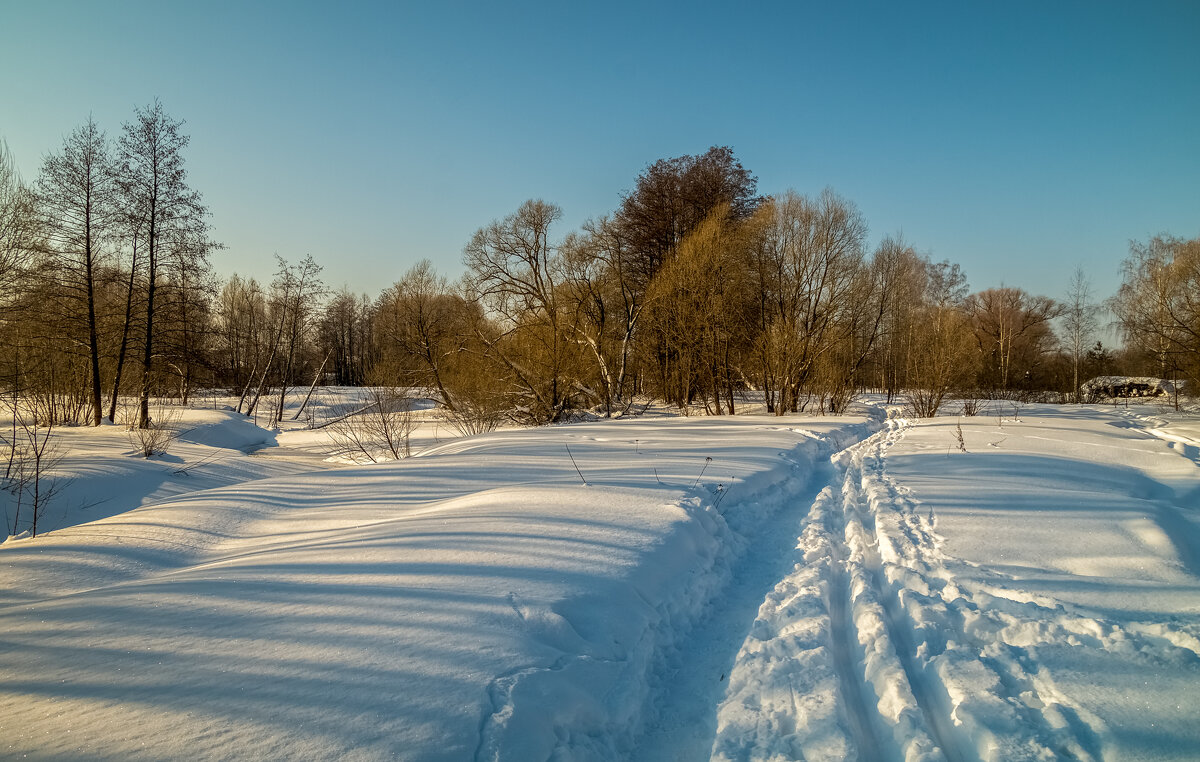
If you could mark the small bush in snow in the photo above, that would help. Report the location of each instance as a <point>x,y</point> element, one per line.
<point>32,455</point>
<point>381,428</point>
<point>156,439</point>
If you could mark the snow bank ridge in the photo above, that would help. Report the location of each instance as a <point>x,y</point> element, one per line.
<point>593,701</point>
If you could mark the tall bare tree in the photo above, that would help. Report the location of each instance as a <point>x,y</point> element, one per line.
<point>700,310</point>
<point>16,223</point>
<point>424,327</point>
<point>516,270</point>
<point>608,298</point>
<point>294,305</point>
<point>75,204</point>
<point>905,274</point>
<point>812,251</point>
<point>1012,330</point>
<point>1158,304</point>
<point>941,353</point>
<point>673,196</point>
<point>241,319</point>
<point>346,338</point>
<point>1079,323</point>
<point>153,183</point>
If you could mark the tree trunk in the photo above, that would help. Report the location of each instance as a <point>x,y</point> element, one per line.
<point>116,390</point>
<point>148,355</point>
<point>308,396</point>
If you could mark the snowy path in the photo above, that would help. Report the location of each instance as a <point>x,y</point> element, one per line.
<point>1033,596</point>
<point>897,659</point>
<point>695,680</point>
<point>478,602</point>
<point>881,646</point>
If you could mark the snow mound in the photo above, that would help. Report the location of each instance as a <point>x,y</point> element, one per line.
<point>1114,387</point>
<point>479,602</point>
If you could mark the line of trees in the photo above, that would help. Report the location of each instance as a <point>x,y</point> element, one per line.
<point>693,291</point>
<point>106,270</point>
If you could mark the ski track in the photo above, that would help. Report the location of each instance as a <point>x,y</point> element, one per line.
<point>681,717</point>
<point>865,645</point>
<point>694,676</point>
<point>871,649</point>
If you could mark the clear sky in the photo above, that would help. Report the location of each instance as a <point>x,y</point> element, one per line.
<point>1017,139</point>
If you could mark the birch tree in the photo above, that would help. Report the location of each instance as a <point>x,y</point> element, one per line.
<point>1158,304</point>
<point>1079,322</point>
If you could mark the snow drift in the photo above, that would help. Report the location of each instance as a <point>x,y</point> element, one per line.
<point>479,602</point>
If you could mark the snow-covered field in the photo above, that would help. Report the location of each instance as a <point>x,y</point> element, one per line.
<point>745,588</point>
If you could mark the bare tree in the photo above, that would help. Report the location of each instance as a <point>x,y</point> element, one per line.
<point>16,224</point>
<point>241,320</point>
<point>941,352</point>
<point>154,188</point>
<point>673,197</point>
<point>156,438</point>
<point>298,292</point>
<point>34,454</point>
<point>436,338</point>
<point>382,429</point>
<point>427,329</point>
<point>1012,330</point>
<point>515,269</point>
<point>75,197</point>
<point>186,325</point>
<point>131,229</point>
<point>1158,304</point>
<point>346,336</point>
<point>699,308</point>
<point>608,300</point>
<point>1079,322</point>
<point>812,251</point>
<point>905,273</point>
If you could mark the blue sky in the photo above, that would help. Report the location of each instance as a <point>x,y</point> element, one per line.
<point>1017,139</point>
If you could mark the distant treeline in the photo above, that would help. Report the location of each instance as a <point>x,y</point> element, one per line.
<point>694,290</point>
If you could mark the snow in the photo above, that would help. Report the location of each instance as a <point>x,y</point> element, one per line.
<point>476,601</point>
<point>101,473</point>
<point>1035,597</point>
<point>821,589</point>
<point>1102,387</point>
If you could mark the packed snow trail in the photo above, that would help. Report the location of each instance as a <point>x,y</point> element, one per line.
<point>823,651</point>
<point>681,718</point>
<point>909,683</point>
<point>879,645</point>
<point>1071,559</point>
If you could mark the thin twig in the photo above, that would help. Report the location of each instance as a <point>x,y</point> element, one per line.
<point>573,463</point>
<point>722,491</point>
<point>707,460</point>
